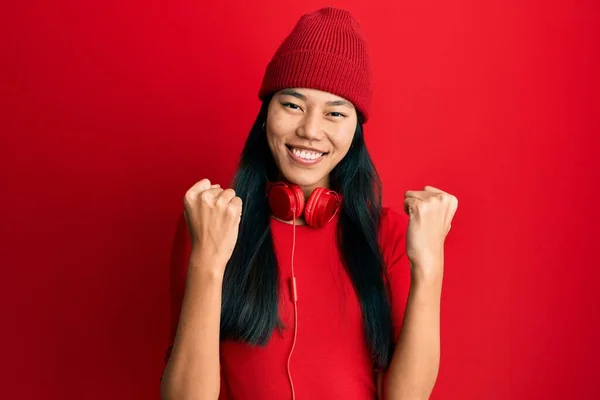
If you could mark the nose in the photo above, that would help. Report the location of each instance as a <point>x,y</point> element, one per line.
<point>310,128</point>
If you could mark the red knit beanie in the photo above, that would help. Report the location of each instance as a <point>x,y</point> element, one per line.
<point>326,51</point>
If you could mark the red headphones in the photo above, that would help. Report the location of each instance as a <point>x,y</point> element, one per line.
<point>286,200</point>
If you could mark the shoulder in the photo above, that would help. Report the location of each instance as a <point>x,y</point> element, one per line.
<point>392,233</point>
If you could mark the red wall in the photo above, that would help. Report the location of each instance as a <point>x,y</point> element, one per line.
<point>110,111</point>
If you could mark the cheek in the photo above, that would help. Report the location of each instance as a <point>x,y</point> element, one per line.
<point>342,140</point>
<point>274,140</point>
<point>279,128</point>
<point>275,151</point>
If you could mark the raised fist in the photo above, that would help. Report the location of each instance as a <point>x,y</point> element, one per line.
<point>213,216</point>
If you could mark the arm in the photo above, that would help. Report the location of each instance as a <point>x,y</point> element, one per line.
<point>213,217</point>
<point>415,363</point>
<point>192,371</point>
<point>414,367</point>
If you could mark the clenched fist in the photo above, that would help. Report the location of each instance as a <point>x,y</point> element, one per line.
<point>213,217</point>
<point>431,211</point>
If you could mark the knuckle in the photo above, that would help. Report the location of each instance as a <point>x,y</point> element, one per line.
<point>202,184</point>
<point>189,196</point>
<point>205,196</point>
<point>423,206</point>
<point>435,201</point>
<point>232,208</point>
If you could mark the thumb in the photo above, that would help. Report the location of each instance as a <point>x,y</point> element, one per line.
<point>409,205</point>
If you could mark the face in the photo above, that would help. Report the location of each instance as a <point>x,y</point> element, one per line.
<point>309,133</point>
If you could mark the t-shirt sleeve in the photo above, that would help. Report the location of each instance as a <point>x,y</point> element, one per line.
<point>180,255</point>
<point>393,239</point>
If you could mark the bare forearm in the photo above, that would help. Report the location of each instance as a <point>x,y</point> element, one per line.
<point>193,369</point>
<point>415,363</point>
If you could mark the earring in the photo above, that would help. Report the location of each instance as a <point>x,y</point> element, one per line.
<point>264,127</point>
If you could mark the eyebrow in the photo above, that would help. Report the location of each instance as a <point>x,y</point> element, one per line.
<point>300,96</point>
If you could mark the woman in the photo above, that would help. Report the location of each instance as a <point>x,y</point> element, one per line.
<point>295,282</point>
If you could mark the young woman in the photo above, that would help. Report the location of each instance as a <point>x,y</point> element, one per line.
<point>295,282</point>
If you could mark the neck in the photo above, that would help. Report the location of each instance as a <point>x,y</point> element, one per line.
<point>308,189</point>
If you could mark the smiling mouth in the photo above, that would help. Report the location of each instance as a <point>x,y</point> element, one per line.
<point>305,157</point>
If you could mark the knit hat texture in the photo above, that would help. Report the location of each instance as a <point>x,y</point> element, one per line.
<point>326,50</point>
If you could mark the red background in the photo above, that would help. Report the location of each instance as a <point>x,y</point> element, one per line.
<point>111,110</point>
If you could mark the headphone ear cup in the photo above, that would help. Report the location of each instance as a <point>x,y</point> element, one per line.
<point>284,198</point>
<point>322,205</point>
<point>299,199</point>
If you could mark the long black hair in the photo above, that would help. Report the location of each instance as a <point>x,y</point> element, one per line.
<point>249,310</point>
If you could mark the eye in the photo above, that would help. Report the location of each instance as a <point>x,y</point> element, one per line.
<point>291,105</point>
<point>337,114</point>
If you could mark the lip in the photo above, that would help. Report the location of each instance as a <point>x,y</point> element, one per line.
<point>302,161</point>
<point>305,148</point>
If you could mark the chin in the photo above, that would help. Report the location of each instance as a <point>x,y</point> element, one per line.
<point>307,176</point>
<point>303,179</point>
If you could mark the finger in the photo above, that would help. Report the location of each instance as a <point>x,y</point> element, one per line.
<point>235,206</point>
<point>210,194</point>
<point>192,193</point>
<point>198,188</point>
<point>417,194</point>
<point>225,196</point>
<point>410,205</point>
<point>452,210</point>
<point>236,202</point>
<point>202,185</point>
<point>433,189</point>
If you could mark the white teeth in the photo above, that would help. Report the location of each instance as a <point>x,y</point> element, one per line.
<point>307,155</point>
